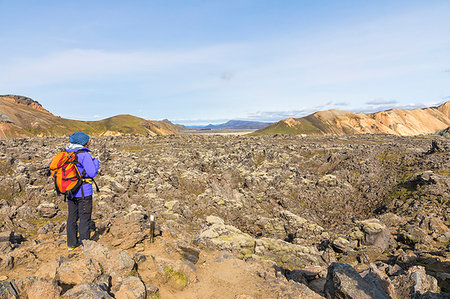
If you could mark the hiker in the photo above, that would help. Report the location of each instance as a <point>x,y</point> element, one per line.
<point>80,204</point>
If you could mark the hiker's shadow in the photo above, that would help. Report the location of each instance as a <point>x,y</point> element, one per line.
<point>97,233</point>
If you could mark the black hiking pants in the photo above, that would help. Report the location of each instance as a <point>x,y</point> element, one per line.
<point>79,208</point>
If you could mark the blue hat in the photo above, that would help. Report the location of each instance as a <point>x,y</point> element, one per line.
<point>79,138</point>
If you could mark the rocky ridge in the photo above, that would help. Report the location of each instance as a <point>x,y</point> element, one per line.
<point>237,217</point>
<point>22,117</point>
<point>338,122</point>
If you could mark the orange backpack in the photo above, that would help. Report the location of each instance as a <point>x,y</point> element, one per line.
<point>65,174</point>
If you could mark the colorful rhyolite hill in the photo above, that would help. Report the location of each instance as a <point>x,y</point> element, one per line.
<point>338,122</point>
<point>22,117</point>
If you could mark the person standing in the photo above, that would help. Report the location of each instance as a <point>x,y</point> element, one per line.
<point>80,204</point>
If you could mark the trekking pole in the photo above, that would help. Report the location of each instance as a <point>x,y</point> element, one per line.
<point>152,229</point>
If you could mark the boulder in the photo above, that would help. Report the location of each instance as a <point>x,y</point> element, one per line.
<point>87,290</point>
<point>432,223</point>
<point>377,276</point>
<point>74,272</point>
<point>47,210</point>
<point>341,245</point>
<point>329,256</point>
<point>228,237</point>
<point>415,282</point>
<point>129,230</point>
<point>412,235</point>
<point>344,282</point>
<point>131,287</point>
<point>42,288</point>
<point>6,261</point>
<point>372,232</point>
<point>116,263</point>
<point>48,270</point>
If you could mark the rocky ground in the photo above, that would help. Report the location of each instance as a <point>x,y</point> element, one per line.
<point>363,216</point>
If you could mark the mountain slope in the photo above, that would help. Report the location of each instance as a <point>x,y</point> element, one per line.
<point>338,122</point>
<point>22,117</point>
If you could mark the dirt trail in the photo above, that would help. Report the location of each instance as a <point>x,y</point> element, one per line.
<point>219,274</point>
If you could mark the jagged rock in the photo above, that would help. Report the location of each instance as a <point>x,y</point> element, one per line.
<point>344,282</point>
<point>329,256</point>
<point>129,230</point>
<point>379,277</point>
<point>230,238</point>
<point>42,288</point>
<point>431,295</point>
<point>434,224</point>
<point>341,245</point>
<point>35,287</point>
<point>318,285</point>
<point>6,236</point>
<point>7,291</point>
<point>6,261</point>
<point>74,272</point>
<point>47,210</point>
<point>48,270</point>
<point>116,263</point>
<point>415,282</point>
<point>299,226</point>
<point>5,247</point>
<point>292,255</point>
<point>391,219</point>
<point>104,281</point>
<point>390,270</point>
<point>22,256</point>
<point>131,287</point>
<point>87,290</point>
<point>152,290</point>
<point>412,235</point>
<point>373,232</point>
<point>189,253</point>
<point>47,228</point>
<point>426,177</point>
<point>277,198</point>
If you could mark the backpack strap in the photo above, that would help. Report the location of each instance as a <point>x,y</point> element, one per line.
<point>85,180</point>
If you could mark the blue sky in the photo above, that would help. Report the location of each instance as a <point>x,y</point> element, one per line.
<point>199,62</point>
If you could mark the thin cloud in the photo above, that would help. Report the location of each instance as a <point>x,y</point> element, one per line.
<point>87,64</point>
<point>271,116</point>
<point>381,102</point>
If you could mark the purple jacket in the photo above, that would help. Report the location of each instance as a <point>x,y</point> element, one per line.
<point>87,169</point>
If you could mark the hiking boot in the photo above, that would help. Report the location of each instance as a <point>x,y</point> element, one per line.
<point>76,245</point>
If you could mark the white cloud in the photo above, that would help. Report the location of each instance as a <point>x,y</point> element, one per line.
<point>397,56</point>
<point>87,64</point>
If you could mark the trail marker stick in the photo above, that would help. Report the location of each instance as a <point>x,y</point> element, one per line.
<point>152,229</point>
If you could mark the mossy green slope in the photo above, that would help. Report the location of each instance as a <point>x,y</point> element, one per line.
<point>21,120</point>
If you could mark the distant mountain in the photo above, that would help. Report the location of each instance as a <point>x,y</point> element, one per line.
<point>234,125</point>
<point>21,117</point>
<point>338,122</point>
